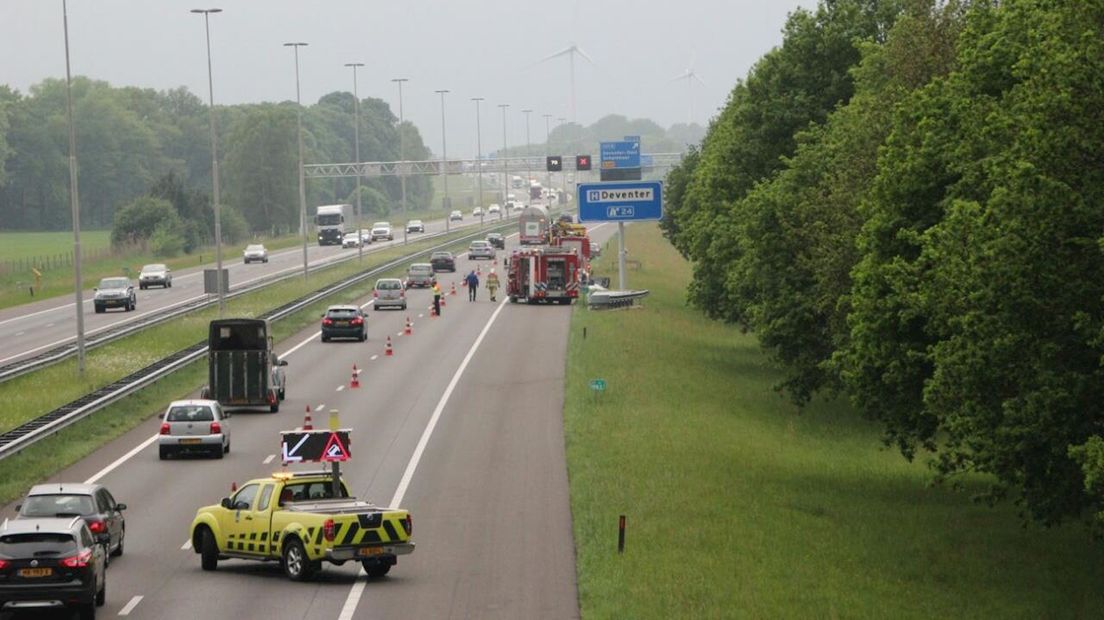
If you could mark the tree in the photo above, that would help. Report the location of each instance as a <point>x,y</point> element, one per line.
<point>261,168</point>
<point>136,222</point>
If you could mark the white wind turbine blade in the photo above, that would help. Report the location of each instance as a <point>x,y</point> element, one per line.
<point>567,50</point>
<point>579,50</point>
<point>694,76</point>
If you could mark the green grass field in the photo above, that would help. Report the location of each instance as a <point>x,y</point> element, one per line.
<point>16,245</point>
<point>739,505</point>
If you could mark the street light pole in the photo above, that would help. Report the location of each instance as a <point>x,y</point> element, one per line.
<point>563,172</point>
<point>444,156</point>
<point>528,153</point>
<point>505,164</point>
<point>548,150</point>
<point>214,164</point>
<point>74,197</point>
<point>402,148</point>
<point>302,181</point>
<point>479,157</point>
<point>356,155</point>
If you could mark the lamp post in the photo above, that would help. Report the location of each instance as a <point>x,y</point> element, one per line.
<point>402,148</point>
<point>356,155</point>
<point>563,173</point>
<point>547,150</point>
<point>444,156</point>
<point>505,164</point>
<point>302,181</point>
<point>479,156</point>
<point>214,163</point>
<point>528,152</point>
<point>74,196</point>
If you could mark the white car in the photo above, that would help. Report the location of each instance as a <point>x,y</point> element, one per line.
<point>456,216</point>
<point>477,212</point>
<point>194,426</point>
<point>365,236</point>
<point>381,231</point>
<point>255,253</point>
<point>494,210</point>
<point>350,240</point>
<point>481,249</point>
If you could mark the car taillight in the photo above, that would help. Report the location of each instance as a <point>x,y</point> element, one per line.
<point>164,428</point>
<point>327,321</point>
<point>408,524</point>
<point>357,321</point>
<point>375,294</point>
<point>4,564</point>
<point>216,428</point>
<point>97,527</point>
<point>78,561</point>
<point>328,529</point>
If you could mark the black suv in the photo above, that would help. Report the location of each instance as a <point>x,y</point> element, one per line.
<point>51,563</point>
<point>91,502</point>
<point>442,261</point>
<point>497,240</point>
<point>343,322</point>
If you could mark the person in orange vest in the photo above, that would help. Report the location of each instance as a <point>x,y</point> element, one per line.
<point>492,283</point>
<point>436,298</point>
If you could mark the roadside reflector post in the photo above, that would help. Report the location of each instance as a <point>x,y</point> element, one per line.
<point>621,535</point>
<point>584,333</point>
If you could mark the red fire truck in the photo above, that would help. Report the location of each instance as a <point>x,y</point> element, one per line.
<point>549,274</point>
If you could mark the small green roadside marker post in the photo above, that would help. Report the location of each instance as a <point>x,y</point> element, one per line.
<point>597,386</point>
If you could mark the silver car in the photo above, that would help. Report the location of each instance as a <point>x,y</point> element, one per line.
<point>194,426</point>
<point>381,231</point>
<point>481,249</point>
<point>114,293</point>
<point>389,293</point>
<point>255,253</point>
<point>156,274</point>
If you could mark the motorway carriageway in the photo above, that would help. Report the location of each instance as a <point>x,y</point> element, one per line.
<point>462,426</point>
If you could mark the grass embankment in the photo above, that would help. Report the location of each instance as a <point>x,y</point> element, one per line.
<point>739,505</point>
<point>51,253</point>
<point>42,391</point>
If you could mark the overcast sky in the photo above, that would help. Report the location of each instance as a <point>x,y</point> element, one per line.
<point>485,48</point>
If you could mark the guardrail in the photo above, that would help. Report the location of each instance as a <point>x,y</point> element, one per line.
<point>102,337</point>
<point>47,424</point>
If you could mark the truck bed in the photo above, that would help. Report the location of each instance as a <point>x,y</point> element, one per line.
<point>333,506</point>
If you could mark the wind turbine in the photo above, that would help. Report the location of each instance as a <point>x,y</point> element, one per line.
<point>570,51</point>
<point>690,76</point>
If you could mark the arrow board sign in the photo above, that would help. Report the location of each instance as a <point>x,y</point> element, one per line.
<point>314,446</point>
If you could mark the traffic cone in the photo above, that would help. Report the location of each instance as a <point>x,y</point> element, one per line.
<point>388,352</point>
<point>233,486</point>
<point>308,424</point>
<point>442,301</point>
<point>453,291</point>
<point>432,312</point>
<point>478,270</point>
<point>409,328</point>
<point>355,381</point>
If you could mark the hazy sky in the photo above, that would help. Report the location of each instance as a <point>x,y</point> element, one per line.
<point>483,48</point>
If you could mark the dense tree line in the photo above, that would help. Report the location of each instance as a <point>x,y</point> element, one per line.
<point>131,139</point>
<point>569,139</point>
<point>904,202</point>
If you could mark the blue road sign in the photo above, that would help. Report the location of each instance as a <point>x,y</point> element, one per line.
<point>620,155</point>
<point>620,202</point>
<point>646,160</point>
<point>632,139</point>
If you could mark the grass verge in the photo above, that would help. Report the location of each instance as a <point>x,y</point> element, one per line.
<point>36,393</point>
<point>740,506</point>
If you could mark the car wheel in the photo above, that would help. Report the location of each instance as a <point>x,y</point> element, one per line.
<point>280,394</point>
<point>275,408</point>
<point>363,336</point>
<point>101,596</point>
<point>99,309</point>
<point>217,452</point>
<point>163,452</point>
<point>169,285</point>
<point>87,612</point>
<point>227,448</point>
<point>404,306</point>
<point>375,570</point>
<point>325,338</point>
<point>141,287</point>
<point>208,550</point>
<point>297,566</point>
<point>119,550</point>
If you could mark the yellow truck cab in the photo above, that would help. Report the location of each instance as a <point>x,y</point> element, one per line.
<point>296,518</point>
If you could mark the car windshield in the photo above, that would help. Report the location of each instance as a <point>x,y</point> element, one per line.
<point>53,505</point>
<point>415,222</point>
<point>421,269</point>
<point>298,492</point>
<point>350,235</point>
<point>381,225</point>
<point>190,413</point>
<point>478,244</point>
<point>153,268</point>
<point>254,248</point>
<point>389,285</point>
<point>341,313</point>
<point>441,255</point>
<point>114,283</point>
<point>37,544</point>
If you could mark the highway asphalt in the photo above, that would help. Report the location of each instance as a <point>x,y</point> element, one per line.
<point>462,426</point>
<point>30,329</point>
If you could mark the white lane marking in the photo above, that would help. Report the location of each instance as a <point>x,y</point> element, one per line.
<point>20,333</point>
<point>349,608</point>
<point>374,357</point>
<point>268,459</point>
<point>187,545</point>
<point>119,461</point>
<point>320,407</point>
<point>302,344</point>
<point>340,387</point>
<point>421,316</point>
<point>125,611</point>
<point>398,333</point>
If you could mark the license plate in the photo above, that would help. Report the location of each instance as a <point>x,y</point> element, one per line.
<point>190,440</point>
<point>35,572</point>
<point>369,551</point>
<point>341,323</point>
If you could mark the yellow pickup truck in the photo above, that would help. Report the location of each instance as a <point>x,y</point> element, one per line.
<point>298,519</point>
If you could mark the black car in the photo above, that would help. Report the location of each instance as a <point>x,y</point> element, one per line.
<point>497,240</point>
<point>442,261</point>
<point>51,563</point>
<point>92,502</point>
<point>343,322</point>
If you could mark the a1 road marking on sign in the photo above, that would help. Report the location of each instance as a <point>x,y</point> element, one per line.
<point>620,212</point>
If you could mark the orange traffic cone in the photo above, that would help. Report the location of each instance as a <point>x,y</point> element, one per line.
<point>409,328</point>
<point>308,424</point>
<point>233,486</point>
<point>478,270</point>
<point>442,301</point>
<point>355,381</point>
<point>388,352</point>
<point>432,312</point>
<point>453,291</point>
